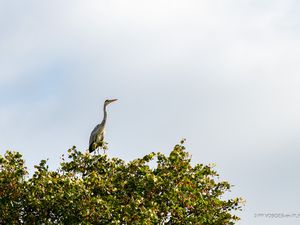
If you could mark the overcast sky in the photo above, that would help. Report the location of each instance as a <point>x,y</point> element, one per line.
<point>223,74</point>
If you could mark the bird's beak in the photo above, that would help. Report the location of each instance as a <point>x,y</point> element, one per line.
<point>113,100</point>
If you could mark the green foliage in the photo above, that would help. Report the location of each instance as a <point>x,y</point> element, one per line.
<point>12,185</point>
<point>96,189</point>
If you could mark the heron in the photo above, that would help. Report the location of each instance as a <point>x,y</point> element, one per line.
<point>97,135</point>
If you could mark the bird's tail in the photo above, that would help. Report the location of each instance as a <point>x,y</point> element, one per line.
<point>91,149</point>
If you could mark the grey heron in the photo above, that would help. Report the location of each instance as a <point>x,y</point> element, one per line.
<point>97,135</point>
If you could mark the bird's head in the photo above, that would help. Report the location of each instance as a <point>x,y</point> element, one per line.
<point>108,101</point>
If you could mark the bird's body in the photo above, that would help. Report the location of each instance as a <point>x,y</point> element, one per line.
<point>97,135</point>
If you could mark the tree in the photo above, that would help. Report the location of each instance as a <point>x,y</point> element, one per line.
<point>96,189</point>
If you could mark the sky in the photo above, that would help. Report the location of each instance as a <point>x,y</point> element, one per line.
<point>222,74</point>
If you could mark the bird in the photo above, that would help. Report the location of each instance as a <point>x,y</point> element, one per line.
<point>97,135</point>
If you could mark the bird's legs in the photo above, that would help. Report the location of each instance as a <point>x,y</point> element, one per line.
<point>104,146</point>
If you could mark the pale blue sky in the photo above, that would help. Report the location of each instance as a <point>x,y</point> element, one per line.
<point>223,74</point>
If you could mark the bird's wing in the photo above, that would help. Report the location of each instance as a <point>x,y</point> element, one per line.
<point>94,134</point>
<point>97,130</point>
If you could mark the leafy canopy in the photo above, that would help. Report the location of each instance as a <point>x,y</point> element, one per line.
<point>96,189</point>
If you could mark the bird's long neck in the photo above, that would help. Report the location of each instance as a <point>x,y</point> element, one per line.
<point>105,115</point>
